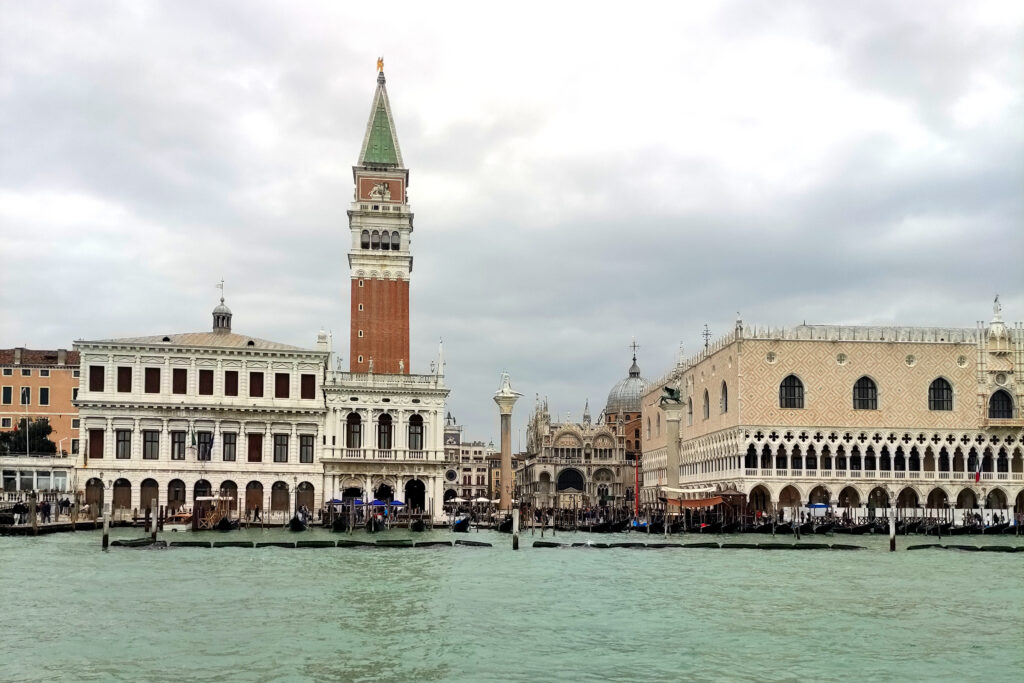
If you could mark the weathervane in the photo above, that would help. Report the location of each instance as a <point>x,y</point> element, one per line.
<point>220,286</point>
<point>380,64</point>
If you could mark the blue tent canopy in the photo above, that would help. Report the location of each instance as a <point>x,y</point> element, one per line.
<point>377,502</point>
<point>817,505</point>
<point>397,503</point>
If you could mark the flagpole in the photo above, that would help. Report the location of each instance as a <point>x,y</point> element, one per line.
<point>26,396</point>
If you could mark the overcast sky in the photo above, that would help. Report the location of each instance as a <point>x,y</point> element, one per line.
<point>580,175</point>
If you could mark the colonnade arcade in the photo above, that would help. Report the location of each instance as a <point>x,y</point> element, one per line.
<point>418,491</point>
<point>931,500</point>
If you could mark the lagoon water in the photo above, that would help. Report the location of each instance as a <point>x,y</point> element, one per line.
<point>482,614</point>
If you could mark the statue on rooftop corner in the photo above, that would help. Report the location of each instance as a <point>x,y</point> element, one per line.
<point>997,307</point>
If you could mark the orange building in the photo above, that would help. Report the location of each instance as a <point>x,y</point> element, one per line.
<point>41,384</point>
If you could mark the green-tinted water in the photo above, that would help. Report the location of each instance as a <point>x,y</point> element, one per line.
<point>74,612</point>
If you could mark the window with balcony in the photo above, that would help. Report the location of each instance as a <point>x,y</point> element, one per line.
<point>384,432</point>
<point>353,431</point>
<point>1000,406</point>
<point>416,433</point>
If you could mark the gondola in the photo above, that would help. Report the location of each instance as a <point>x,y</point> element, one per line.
<point>599,528</point>
<point>616,527</point>
<point>938,529</point>
<point>994,529</point>
<point>823,528</point>
<point>1011,529</point>
<point>340,524</point>
<point>417,525</point>
<point>805,528</point>
<point>913,527</point>
<point>765,528</point>
<point>226,524</point>
<point>297,523</point>
<point>961,530</point>
<point>713,528</point>
<point>505,526</point>
<point>731,528</point>
<point>373,524</point>
<point>461,525</point>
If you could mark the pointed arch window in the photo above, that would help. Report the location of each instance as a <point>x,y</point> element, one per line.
<point>940,395</point>
<point>396,241</point>
<point>689,412</point>
<point>364,240</point>
<point>657,425</point>
<point>791,393</point>
<point>865,394</point>
<point>707,405</point>
<point>1000,406</point>
<point>353,431</point>
<point>724,400</point>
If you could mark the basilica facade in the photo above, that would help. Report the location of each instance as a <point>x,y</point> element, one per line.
<point>854,417</point>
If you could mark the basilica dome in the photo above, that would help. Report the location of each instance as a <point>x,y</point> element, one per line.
<point>625,396</point>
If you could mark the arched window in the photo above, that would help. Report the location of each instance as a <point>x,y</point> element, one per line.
<point>791,393</point>
<point>648,427</point>
<point>396,241</point>
<point>353,431</point>
<point>364,239</point>
<point>384,432</point>
<point>657,425</point>
<point>865,394</point>
<point>689,412</point>
<point>375,240</point>
<point>940,395</point>
<point>416,433</point>
<point>724,401</point>
<point>385,240</point>
<point>707,405</point>
<point>1000,406</point>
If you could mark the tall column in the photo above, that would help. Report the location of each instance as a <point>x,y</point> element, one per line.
<point>506,399</point>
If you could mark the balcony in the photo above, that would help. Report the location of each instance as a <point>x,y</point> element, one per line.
<point>380,454</point>
<point>967,477</point>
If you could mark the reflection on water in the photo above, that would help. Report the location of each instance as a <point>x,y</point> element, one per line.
<point>492,614</point>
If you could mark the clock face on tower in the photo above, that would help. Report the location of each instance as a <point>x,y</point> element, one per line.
<point>451,475</point>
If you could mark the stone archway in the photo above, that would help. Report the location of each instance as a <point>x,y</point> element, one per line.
<point>94,496</point>
<point>229,489</point>
<point>305,495</point>
<point>570,480</point>
<point>122,498</point>
<point>907,498</point>
<point>878,498</point>
<point>937,499</point>
<point>996,500</point>
<point>820,496</point>
<point>849,497</point>
<point>1018,506</point>
<point>279,497</point>
<point>967,499</point>
<point>384,492</point>
<point>253,496</point>
<point>175,494</point>
<point>759,499</point>
<point>789,497</point>
<point>416,494</point>
<point>149,491</point>
<point>202,488</point>
<point>449,495</point>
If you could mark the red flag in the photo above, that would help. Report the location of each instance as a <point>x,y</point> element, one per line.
<point>977,471</point>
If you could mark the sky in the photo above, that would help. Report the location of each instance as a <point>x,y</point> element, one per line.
<point>583,174</point>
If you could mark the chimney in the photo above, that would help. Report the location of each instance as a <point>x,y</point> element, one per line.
<point>17,356</point>
<point>62,357</point>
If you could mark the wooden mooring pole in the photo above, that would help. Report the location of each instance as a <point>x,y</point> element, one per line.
<point>515,529</point>
<point>106,526</point>
<point>152,527</point>
<point>892,529</point>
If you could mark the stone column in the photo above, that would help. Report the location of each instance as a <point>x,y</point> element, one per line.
<point>506,399</point>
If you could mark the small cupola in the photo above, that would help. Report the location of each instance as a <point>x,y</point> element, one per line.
<point>221,317</point>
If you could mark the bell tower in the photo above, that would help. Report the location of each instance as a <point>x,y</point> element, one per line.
<point>380,259</point>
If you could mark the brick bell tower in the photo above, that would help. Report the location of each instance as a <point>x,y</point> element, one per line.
<point>380,260</point>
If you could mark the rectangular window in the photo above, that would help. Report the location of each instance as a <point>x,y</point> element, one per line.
<point>76,373</point>
<point>231,382</point>
<point>256,384</point>
<point>44,373</point>
<point>74,446</point>
<point>280,448</point>
<point>179,381</point>
<point>8,395</point>
<point>124,380</point>
<point>26,396</point>
<point>177,445</point>
<point>95,444</point>
<point>206,382</point>
<point>306,448</point>
<point>308,389</point>
<point>44,396</point>
<point>26,372</point>
<point>281,382</point>
<point>123,443</point>
<point>75,423</point>
<point>8,372</point>
<point>152,380</point>
<point>150,445</point>
<point>204,445</point>
<point>60,481</point>
<point>5,422</point>
<point>74,394</point>
<point>255,447</point>
<point>230,440</point>
<point>10,480</point>
<point>95,378</point>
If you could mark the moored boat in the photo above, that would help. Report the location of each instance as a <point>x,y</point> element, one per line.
<point>297,523</point>
<point>461,525</point>
<point>340,524</point>
<point>417,525</point>
<point>374,524</point>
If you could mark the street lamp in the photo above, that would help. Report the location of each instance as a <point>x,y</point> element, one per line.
<point>60,449</point>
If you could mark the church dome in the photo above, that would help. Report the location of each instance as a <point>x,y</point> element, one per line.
<point>626,395</point>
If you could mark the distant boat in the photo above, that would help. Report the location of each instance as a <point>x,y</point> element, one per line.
<point>505,526</point>
<point>226,524</point>
<point>461,525</point>
<point>374,524</point>
<point>340,524</point>
<point>417,525</point>
<point>297,523</point>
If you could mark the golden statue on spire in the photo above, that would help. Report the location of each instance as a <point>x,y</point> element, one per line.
<point>380,64</point>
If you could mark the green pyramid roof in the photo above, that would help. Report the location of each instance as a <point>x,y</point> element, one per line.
<point>380,145</point>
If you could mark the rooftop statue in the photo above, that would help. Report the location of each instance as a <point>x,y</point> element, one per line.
<point>670,396</point>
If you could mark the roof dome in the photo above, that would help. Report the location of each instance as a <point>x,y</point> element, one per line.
<point>221,308</point>
<point>221,317</point>
<point>626,395</point>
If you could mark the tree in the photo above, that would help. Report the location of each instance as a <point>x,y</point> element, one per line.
<point>38,438</point>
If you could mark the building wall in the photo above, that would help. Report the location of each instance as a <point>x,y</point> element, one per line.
<point>61,382</point>
<point>384,323</point>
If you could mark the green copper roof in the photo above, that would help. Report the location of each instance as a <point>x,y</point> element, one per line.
<point>380,146</point>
